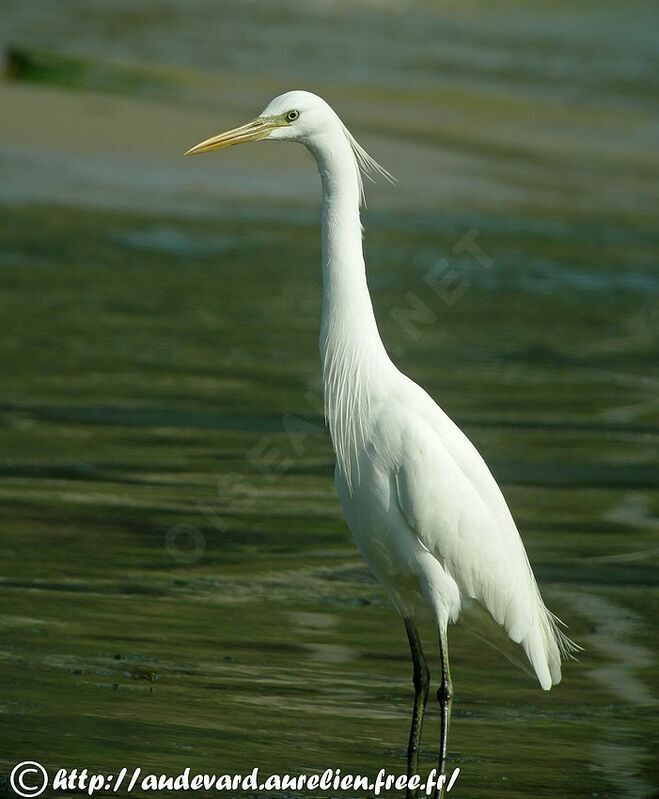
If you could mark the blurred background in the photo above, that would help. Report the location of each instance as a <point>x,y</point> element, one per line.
<point>178,587</point>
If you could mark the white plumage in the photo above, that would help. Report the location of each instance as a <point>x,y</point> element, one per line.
<point>427,515</point>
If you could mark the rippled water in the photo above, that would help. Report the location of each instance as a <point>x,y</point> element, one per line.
<point>178,586</point>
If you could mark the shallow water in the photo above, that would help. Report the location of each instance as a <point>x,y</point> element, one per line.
<point>178,586</point>
<point>147,388</point>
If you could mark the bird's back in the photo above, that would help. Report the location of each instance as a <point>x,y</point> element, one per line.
<point>454,507</point>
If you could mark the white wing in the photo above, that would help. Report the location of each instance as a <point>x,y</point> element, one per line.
<point>455,507</point>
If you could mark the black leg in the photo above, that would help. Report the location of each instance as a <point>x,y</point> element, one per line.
<point>421,680</point>
<point>445,697</point>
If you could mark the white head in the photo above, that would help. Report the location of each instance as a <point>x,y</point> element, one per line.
<point>302,116</point>
<point>296,116</point>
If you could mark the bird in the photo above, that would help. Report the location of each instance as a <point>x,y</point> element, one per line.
<point>426,513</point>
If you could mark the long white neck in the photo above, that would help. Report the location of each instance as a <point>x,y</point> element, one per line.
<point>352,354</point>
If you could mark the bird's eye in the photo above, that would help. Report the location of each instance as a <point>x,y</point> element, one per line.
<point>292,115</point>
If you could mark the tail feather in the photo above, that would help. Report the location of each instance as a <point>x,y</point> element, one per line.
<point>539,653</point>
<point>546,645</point>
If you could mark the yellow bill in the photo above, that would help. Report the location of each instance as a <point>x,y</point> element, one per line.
<point>253,131</point>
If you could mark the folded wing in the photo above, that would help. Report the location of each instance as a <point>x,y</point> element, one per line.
<point>456,510</point>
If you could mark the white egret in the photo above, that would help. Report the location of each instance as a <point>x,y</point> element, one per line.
<point>426,513</point>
